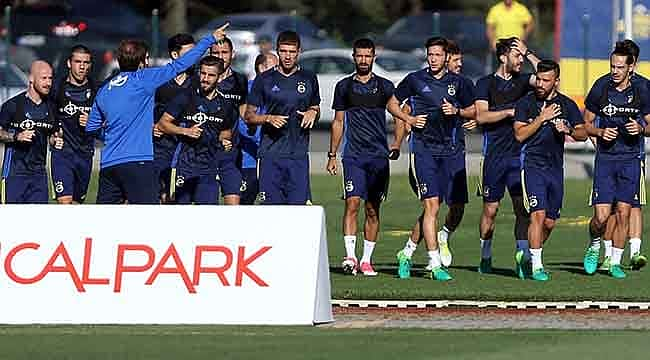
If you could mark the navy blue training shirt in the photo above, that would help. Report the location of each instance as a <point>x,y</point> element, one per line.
<point>22,158</point>
<point>500,94</point>
<point>365,115</point>
<point>545,148</point>
<point>439,137</point>
<point>69,101</point>
<point>613,109</point>
<point>235,90</point>
<point>197,157</point>
<point>276,94</point>
<point>165,145</point>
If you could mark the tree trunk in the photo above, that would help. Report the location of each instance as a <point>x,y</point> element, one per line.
<point>174,16</point>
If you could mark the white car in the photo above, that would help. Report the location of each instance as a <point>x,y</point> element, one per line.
<point>12,81</point>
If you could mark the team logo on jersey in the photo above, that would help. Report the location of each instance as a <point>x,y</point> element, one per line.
<point>302,87</point>
<point>118,81</point>
<point>261,197</point>
<point>349,186</point>
<point>451,90</point>
<point>244,186</point>
<point>88,93</point>
<point>58,187</point>
<point>180,180</point>
<point>275,88</point>
<point>423,189</point>
<point>27,124</point>
<point>611,110</point>
<point>532,200</point>
<point>486,191</point>
<point>71,109</point>
<point>630,98</point>
<point>426,89</point>
<point>200,118</point>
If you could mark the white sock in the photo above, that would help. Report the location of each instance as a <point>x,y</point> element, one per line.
<point>608,248</point>
<point>536,256</point>
<point>617,254</point>
<point>444,235</point>
<point>523,245</point>
<point>635,246</point>
<point>434,259</point>
<point>368,247</point>
<point>595,243</point>
<point>409,248</point>
<point>486,249</point>
<point>350,245</point>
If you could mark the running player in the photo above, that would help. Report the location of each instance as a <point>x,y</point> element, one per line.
<point>360,106</point>
<point>27,123</point>
<point>542,120</point>
<point>286,102</point>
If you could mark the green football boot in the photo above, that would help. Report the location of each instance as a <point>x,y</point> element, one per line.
<point>590,261</point>
<point>485,267</point>
<point>616,271</point>
<point>440,274</point>
<point>404,270</point>
<point>540,275</point>
<point>638,261</point>
<point>607,263</point>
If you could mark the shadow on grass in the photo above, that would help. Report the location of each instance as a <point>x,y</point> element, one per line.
<point>505,272</point>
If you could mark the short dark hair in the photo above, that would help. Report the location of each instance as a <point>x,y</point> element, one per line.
<point>624,50</point>
<point>288,38</point>
<point>131,53</point>
<point>453,48</point>
<point>437,41</point>
<point>79,49</point>
<point>176,42</point>
<point>631,46</point>
<point>212,60</point>
<point>548,65</point>
<point>226,40</point>
<point>503,46</point>
<point>363,43</point>
<point>259,60</point>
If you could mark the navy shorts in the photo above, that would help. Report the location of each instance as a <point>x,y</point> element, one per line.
<point>366,178</point>
<point>71,175</point>
<point>229,177</point>
<point>200,190</point>
<point>25,189</point>
<point>497,175</point>
<point>284,181</point>
<point>134,182</point>
<point>249,185</point>
<point>543,189</point>
<point>444,177</point>
<point>618,181</point>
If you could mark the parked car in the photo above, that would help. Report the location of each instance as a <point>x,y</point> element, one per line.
<point>246,29</point>
<point>12,81</point>
<point>331,65</point>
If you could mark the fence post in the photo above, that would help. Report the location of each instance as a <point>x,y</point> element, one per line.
<point>7,26</point>
<point>436,23</point>
<point>585,52</point>
<point>155,31</point>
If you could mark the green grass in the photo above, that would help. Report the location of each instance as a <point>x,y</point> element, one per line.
<point>234,342</point>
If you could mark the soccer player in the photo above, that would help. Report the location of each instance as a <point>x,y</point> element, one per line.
<point>496,96</point>
<point>73,97</point>
<point>623,110</point>
<point>123,109</point>
<point>637,260</point>
<point>234,86</point>
<point>27,123</point>
<point>542,120</point>
<point>360,106</point>
<point>202,120</point>
<point>438,101</point>
<point>164,145</point>
<point>286,102</point>
<point>458,192</point>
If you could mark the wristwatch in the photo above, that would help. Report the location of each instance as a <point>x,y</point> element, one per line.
<point>331,155</point>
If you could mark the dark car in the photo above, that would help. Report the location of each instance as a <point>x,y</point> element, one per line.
<point>247,29</point>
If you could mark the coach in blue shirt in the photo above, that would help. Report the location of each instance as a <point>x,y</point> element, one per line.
<point>123,108</point>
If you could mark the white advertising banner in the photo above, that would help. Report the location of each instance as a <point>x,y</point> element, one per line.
<point>93,264</point>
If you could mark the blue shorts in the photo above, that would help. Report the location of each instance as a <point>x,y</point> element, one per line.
<point>497,174</point>
<point>134,182</point>
<point>618,181</point>
<point>71,175</point>
<point>366,178</point>
<point>444,177</point>
<point>200,190</point>
<point>229,177</point>
<point>543,189</point>
<point>249,185</point>
<point>284,181</point>
<point>25,189</point>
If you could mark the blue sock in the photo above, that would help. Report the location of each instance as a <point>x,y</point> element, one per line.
<point>523,245</point>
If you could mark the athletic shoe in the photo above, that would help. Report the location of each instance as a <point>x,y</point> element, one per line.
<point>350,266</point>
<point>404,271</point>
<point>440,274</point>
<point>428,268</point>
<point>616,271</point>
<point>367,270</point>
<point>445,253</point>
<point>638,261</point>
<point>590,261</point>
<point>540,275</point>
<point>522,267</point>
<point>486,266</point>
<point>606,264</point>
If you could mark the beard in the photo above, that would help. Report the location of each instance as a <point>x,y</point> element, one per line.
<point>364,71</point>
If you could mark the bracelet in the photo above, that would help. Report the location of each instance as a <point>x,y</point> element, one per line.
<point>331,155</point>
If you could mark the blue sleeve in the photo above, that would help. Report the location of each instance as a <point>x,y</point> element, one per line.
<point>389,88</point>
<point>645,100</point>
<point>404,89</point>
<point>96,117</point>
<point>482,90</point>
<point>521,110</point>
<point>575,117</point>
<point>156,76</point>
<point>338,103</point>
<point>7,113</point>
<point>177,105</point>
<point>244,93</point>
<point>593,98</point>
<point>256,96</point>
<point>315,96</point>
<point>466,95</point>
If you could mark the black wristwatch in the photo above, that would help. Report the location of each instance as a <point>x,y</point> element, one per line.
<point>331,155</point>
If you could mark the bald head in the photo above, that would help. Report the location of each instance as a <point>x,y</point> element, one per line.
<point>40,77</point>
